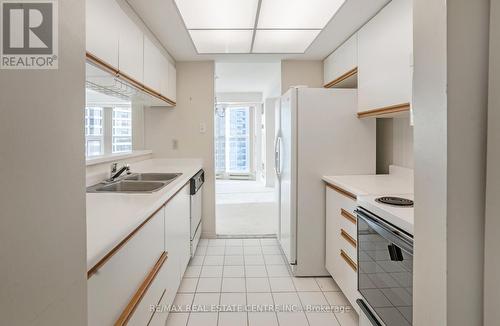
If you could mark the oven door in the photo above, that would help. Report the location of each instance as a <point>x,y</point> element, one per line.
<point>385,273</point>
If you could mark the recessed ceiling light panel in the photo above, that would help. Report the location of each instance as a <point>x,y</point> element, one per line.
<point>218,14</point>
<point>222,41</point>
<point>283,41</point>
<point>297,14</point>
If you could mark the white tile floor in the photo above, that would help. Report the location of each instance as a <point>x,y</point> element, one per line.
<point>246,282</point>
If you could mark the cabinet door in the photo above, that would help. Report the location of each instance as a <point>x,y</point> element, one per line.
<point>152,65</point>
<point>131,48</point>
<point>343,60</point>
<point>172,82</point>
<point>102,30</point>
<point>385,46</point>
<point>163,75</point>
<point>177,240</point>
<point>184,227</point>
<point>116,282</point>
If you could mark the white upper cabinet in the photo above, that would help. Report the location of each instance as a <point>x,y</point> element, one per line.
<point>385,58</point>
<point>172,82</point>
<point>118,39</point>
<point>102,30</point>
<point>342,61</point>
<point>131,48</point>
<point>153,62</point>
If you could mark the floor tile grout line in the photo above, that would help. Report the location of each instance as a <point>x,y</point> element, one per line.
<point>272,297</point>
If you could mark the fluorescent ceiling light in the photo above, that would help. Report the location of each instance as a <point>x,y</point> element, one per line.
<point>218,14</point>
<point>297,14</point>
<point>283,41</point>
<point>222,41</point>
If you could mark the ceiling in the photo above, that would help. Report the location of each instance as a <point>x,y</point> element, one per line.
<point>163,19</point>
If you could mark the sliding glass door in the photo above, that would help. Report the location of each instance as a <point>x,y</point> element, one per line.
<point>232,142</point>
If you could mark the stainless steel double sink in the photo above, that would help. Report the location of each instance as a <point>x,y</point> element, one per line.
<point>136,183</point>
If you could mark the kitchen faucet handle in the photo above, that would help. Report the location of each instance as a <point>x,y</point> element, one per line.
<point>114,167</point>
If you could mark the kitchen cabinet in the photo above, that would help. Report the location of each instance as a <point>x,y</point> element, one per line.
<point>131,48</point>
<point>116,43</point>
<point>342,65</point>
<point>154,65</point>
<point>102,32</point>
<point>341,242</point>
<point>115,283</point>
<point>385,60</point>
<point>177,234</point>
<point>172,82</point>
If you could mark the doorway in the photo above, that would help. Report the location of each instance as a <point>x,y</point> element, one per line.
<point>246,200</point>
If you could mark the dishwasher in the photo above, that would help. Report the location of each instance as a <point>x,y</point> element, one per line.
<point>196,190</point>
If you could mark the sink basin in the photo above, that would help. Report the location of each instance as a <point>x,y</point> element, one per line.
<point>154,176</point>
<point>128,186</point>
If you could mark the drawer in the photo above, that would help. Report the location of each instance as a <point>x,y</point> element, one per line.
<point>140,309</point>
<point>111,287</point>
<point>348,244</point>
<point>348,278</point>
<point>348,222</point>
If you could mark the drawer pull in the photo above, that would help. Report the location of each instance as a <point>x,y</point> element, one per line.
<point>342,191</point>
<point>141,291</point>
<point>348,237</point>
<point>348,216</point>
<point>348,260</point>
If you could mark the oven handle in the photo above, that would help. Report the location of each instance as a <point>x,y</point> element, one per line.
<point>390,233</point>
<point>368,313</point>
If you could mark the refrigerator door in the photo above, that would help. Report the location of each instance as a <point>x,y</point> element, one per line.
<point>288,222</point>
<point>277,187</point>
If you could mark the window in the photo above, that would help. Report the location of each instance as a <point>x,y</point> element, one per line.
<point>122,130</point>
<point>232,141</point>
<point>94,136</point>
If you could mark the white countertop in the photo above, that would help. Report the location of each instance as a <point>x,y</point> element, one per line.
<point>111,217</point>
<point>399,180</point>
<point>399,183</point>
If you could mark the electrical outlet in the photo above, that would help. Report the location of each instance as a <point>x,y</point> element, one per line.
<point>203,128</point>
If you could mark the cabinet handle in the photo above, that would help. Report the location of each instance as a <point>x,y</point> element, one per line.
<point>141,291</point>
<point>348,216</point>
<point>348,238</point>
<point>348,260</point>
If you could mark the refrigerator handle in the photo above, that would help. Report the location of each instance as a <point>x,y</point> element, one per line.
<point>277,156</point>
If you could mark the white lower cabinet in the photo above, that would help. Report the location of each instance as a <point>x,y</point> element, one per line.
<point>140,280</point>
<point>112,287</point>
<point>177,233</point>
<point>341,243</point>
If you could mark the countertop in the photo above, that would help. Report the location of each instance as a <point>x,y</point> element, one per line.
<point>111,217</point>
<point>398,181</point>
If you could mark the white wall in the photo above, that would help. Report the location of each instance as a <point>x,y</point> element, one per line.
<point>450,103</point>
<point>42,197</point>
<point>492,226</point>
<point>195,105</point>
<point>295,73</point>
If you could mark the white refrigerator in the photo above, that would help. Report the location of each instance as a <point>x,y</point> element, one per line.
<point>318,134</point>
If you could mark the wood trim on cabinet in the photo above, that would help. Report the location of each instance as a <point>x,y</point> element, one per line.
<point>340,79</point>
<point>341,191</point>
<point>351,218</point>
<point>141,291</point>
<point>348,260</point>
<point>122,243</point>
<point>348,238</point>
<point>385,110</point>
<point>120,74</point>
<point>101,63</point>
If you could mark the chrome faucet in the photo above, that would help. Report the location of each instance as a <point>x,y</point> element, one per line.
<point>115,173</point>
